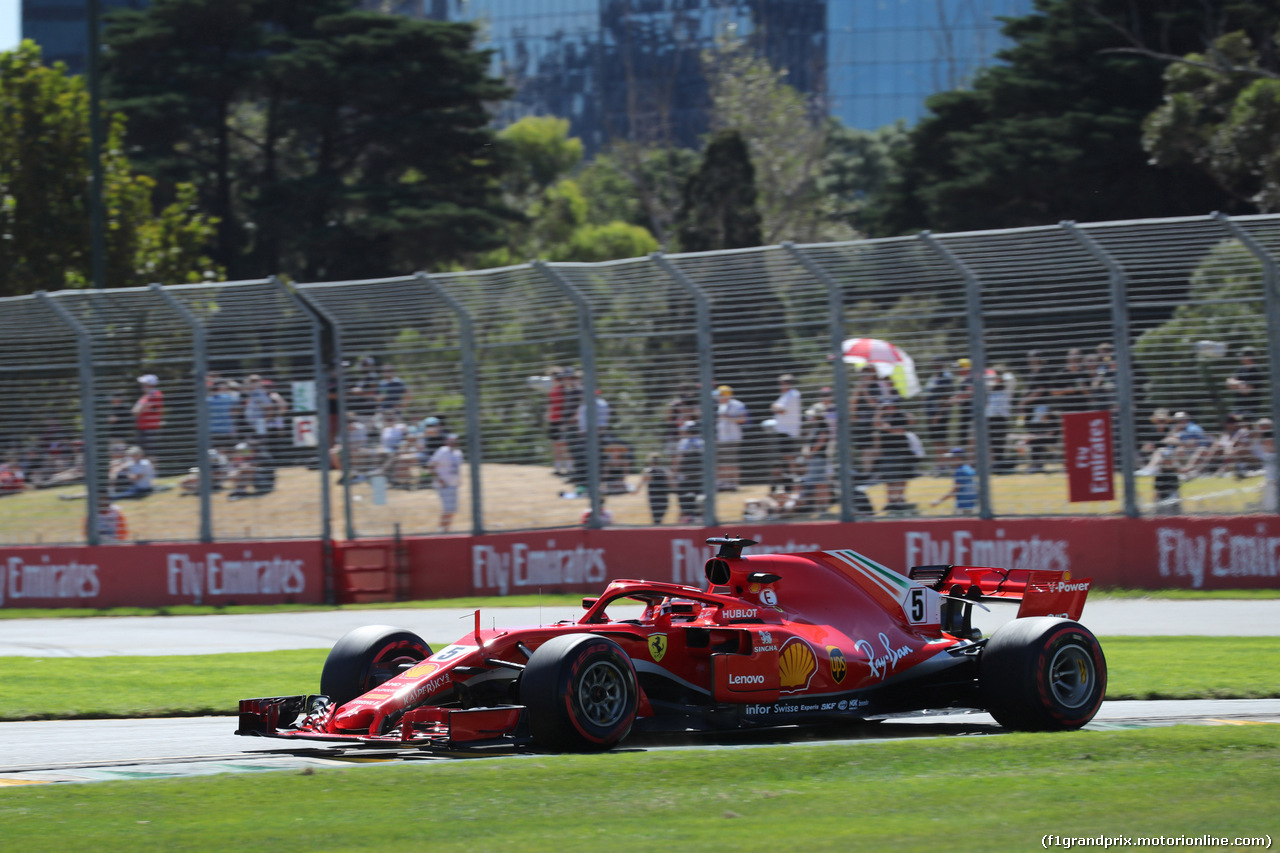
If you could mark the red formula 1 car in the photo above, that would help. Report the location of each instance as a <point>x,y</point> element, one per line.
<point>775,640</point>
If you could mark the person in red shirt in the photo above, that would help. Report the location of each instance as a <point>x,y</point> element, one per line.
<point>148,414</point>
<point>555,423</point>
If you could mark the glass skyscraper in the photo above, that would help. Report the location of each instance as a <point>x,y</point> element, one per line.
<point>633,68</point>
<point>61,28</point>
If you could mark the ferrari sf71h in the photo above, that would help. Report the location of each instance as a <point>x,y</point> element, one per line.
<point>774,640</point>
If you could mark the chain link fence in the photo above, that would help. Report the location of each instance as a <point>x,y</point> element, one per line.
<point>780,383</point>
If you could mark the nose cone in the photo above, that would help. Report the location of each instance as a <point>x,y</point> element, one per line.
<point>354,718</point>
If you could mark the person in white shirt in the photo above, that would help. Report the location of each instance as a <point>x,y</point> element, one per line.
<point>446,463</point>
<point>788,419</point>
<point>731,415</point>
<point>1264,448</point>
<point>139,473</point>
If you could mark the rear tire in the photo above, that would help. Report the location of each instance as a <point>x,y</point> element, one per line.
<point>367,657</point>
<point>581,693</point>
<point>1042,674</point>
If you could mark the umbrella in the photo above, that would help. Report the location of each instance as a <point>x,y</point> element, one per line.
<point>889,361</point>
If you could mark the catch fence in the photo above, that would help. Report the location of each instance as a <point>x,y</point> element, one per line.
<point>313,410</point>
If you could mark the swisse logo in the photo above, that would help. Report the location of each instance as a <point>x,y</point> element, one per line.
<point>218,575</point>
<point>524,566</point>
<point>1062,586</point>
<point>740,613</point>
<point>962,549</point>
<point>746,679</point>
<point>47,579</point>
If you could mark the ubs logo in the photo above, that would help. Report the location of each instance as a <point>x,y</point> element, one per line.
<point>838,665</point>
<point>657,646</point>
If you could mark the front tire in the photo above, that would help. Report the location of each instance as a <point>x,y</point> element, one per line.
<point>1043,674</point>
<point>367,657</point>
<point>581,693</point>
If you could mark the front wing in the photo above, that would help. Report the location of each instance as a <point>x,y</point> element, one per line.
<point>427,726</point>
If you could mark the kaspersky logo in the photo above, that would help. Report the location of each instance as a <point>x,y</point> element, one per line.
<point>657,646</point>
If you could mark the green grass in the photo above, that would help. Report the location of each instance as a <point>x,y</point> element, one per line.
<point>188,685</point>
<point>1188,594</point>
<point>1192,667</point>
<point>972,794</point>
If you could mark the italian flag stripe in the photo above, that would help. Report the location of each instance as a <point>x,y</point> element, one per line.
<point>890,582</point>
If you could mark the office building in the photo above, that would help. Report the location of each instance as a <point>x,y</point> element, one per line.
<point>633,67</point>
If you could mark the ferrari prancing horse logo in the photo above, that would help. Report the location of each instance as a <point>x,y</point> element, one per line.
<point>657,646</point>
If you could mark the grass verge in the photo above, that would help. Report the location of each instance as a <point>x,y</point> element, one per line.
<point>977,794</point>
<point>190,685</point>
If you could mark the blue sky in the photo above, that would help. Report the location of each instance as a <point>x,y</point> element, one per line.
<point>10,23</point>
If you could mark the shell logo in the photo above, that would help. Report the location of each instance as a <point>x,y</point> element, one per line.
<point>796,665</point>
<point>422,669</point>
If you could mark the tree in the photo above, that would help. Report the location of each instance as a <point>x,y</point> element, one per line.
<point>1053,132</point>
<point>1223,304</point>
<point>390,165</point>
<point>539,151</point>
<point>44,180</point>
<point>639,184</point>
<point>857,167</point>
<point>718,209</point>
<point>560,223</point>
<point>1221,113</point>
<point>786,138</point>
<point>330,142</point>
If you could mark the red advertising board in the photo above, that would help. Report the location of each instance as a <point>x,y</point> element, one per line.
<point>1088,456</point>
<point>157,575</point>
<point>1146,553</point>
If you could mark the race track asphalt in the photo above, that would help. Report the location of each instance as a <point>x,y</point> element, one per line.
<point>193,635</point>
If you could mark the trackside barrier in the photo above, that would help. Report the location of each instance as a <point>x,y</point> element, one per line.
<point>160,575</point>
<point>233,390</point>
<point>1187,553</point>
<point>1181,553</point>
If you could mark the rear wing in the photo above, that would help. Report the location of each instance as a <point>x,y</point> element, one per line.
<point>1041,593</point>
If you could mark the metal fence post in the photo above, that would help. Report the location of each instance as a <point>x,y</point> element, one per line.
<point>471,393</point>
<point>977,368</point>
<point>200,370</point>
<point>1271,305</point>
<point>1124,362</point>
<point>322,316</point>
<point>323,439</point>
<point>587,338</point>
<point>706,378</point>
<point>88,412</point>
<point>840,378</point>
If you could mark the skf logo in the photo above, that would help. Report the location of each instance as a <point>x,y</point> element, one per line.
<point>838,665</point>
<point>657,646</point>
